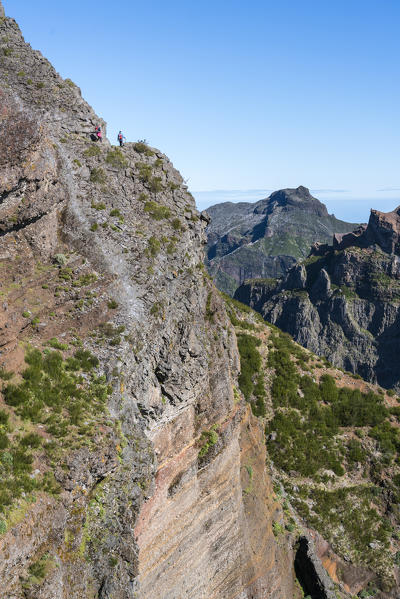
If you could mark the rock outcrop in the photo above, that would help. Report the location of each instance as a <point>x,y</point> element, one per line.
<point>265,239</point>
<point>124,451</point>
<point>343,301</point>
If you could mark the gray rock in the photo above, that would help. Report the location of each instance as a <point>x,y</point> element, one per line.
<point>264,239</point>
<point>296,277</point>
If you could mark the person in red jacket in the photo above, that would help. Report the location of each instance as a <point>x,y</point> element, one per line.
<point>121,138</point>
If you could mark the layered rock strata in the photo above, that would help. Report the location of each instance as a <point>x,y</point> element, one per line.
<point>102,250</point>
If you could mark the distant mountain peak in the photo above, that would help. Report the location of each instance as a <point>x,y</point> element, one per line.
<point>266,238</point>
<point>291,198</point>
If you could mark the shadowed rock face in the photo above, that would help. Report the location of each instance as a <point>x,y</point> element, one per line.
<point>265,239</point>
<point>310,572</point>
<point>343,301</point>
<point>102,250</point>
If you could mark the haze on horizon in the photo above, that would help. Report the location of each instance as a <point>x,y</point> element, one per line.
<point>242,98</point>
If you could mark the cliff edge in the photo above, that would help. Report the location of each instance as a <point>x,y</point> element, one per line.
<point>124,444</point>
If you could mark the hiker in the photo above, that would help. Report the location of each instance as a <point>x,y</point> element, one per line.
<point>121,138</point>
<point>99,134</point>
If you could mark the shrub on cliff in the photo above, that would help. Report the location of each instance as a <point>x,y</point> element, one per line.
<point>97,175</point>
<point>116,158</point>
<point>67,403</point>
<point>250,363</point>
<point>157,211</point>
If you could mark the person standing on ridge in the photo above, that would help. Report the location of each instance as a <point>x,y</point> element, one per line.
<point>121,138</point>
<point>99,134</point>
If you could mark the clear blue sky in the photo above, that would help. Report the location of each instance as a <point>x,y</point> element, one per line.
<point>244,96</point>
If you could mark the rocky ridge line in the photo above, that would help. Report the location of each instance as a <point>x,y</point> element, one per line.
<point>138,490</point>
<point>266,238</point>
<point>342,302</point>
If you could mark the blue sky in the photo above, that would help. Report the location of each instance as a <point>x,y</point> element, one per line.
<point>242,96</point>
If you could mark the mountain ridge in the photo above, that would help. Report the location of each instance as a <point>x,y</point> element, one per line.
<point>123,448</point>
<point>265,238</point>
<point>342,302</point>
<point>150,440</point>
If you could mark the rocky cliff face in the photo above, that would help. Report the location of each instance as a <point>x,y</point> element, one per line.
<point>125,447</point>
<point>343,301</point>
<point>333,443</point>
<point>265,239</point>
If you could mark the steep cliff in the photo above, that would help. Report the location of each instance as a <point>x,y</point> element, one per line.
<point>266,238</point>
<point>333,444</point>
<point>125,447</point>
<point>343,301</point>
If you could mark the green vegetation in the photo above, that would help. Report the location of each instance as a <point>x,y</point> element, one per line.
<point>177,224</point>
<point>116,158</point>
<point>99,206</point>
<point>97,175</point>
<point>146,176</point>
<point>56,344</point>
<point>277,529</point>
<point>38,571</point>
<point>60,259</point>
<point>308,415</point>
<point>145,171</point>
<point>348,292</point>
<point>94,227</point>
<point>93,150</point>
<point>155,184</point>
<point>318,432</point>
<point>153,247</point>
<point>112,304</point>
<point>108,333</point>
<point>251,378</point>
<point>208,439</point>
<point>5,376</point>
<point>63,395</point>
<point>250,362</point>
<point>347,517</point>
<point>142,148</point>
<point>157,309</point>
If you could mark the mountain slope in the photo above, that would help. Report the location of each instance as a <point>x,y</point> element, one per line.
<point>333,443</point>
<point>133,459</point>
<point>343,301</point>
<point>123,449</point>
<point>266,238</point>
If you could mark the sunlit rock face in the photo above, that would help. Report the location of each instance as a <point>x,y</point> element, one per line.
<point>129,364</point>
<point>342,302</point>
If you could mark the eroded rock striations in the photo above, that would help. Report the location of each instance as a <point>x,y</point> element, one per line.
<point>343,301</point>
<point>124,453</point>
<point>265,239</point>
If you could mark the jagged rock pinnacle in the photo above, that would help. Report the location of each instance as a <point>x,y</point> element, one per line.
<point>2,13</point>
